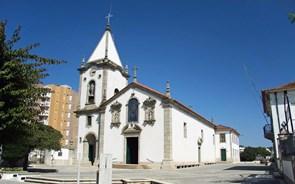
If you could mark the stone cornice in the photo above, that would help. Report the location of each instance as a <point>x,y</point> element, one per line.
<point>88,109</point>
<point>106,63</point>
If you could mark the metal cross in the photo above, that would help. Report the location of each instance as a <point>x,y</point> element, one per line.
<point>109,16</point>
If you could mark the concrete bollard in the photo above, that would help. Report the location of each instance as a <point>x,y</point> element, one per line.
<point>104,173</point>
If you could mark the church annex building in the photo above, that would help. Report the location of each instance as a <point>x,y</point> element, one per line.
<point>139,125</point>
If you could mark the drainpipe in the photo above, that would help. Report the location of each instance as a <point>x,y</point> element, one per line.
<point>277,110</point>
<point>278,163</point>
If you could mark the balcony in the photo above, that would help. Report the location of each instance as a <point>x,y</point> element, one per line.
<point>45,95</point>
<point>44,113</point>
<point>44,104</point>
<point>268,132</point>
<point>287,145</point>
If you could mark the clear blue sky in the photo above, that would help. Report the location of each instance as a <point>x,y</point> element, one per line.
<point>200,46</point>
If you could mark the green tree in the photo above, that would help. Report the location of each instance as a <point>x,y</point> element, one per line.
<point>292,17</point>
<point>249,154</point>
<point>20,75</point>
<point>263,152</point>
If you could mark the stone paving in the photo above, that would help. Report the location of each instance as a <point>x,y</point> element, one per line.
<point>220,173</point>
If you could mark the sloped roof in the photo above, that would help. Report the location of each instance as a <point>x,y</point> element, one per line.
<point>265,99</point>
<point>160,95</point>
<point>106,49</point>
<point>290,85</point>
<point>226,128</point>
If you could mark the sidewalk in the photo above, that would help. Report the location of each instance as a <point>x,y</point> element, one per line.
<point>220,173</point>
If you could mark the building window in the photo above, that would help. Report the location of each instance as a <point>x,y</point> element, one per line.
<point>213,139</point>
<point>222,137</point>
<point>116,91</point>
<point>89,120</point>
<point>184,130</point>
<point>91,91</point>
<point>133,110</point>
<point>60,153</point>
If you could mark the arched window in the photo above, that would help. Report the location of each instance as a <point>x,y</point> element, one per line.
<point>133,110</point>
<point>91,91</point>
<point>116,91</point>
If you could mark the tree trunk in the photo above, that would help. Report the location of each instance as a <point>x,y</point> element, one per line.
<point>26,162</point>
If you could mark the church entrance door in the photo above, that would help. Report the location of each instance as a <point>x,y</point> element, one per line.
<point>91,141</point>
<point>132,150</point>
<point>90,154</point>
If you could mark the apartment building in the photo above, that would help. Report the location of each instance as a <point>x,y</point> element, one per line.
<point>57,106</point>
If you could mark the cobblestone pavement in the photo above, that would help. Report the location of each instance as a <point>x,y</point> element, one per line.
<point>220,173</point>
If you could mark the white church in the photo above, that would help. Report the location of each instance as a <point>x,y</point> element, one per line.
<point>139,125</point>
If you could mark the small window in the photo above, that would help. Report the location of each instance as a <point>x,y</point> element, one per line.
<point>80,139</point>
<point>89,119</point>
<point>184,130</point>
<point>222,137</point>
<point>60,153</point>
<point>213,139</point>
<point>116,91</point>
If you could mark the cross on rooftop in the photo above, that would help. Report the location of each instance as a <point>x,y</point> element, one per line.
<point>134,70</point>
<point>109,16</point>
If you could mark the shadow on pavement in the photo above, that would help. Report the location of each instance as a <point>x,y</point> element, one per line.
<point>41,170</point>
<point>251,168</point>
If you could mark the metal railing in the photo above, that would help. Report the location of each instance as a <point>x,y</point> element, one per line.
<point>268,131</point>
<point>287,145</point>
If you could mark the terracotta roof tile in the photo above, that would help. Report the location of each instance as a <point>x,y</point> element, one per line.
<point>290,85</point>
<point>226,128</point>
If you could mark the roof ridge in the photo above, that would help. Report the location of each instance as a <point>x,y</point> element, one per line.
<point>282,87</point>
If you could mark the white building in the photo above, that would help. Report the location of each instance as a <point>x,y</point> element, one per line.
<point>227,147</point>
<point>137,124</point>
<point>279,105</point>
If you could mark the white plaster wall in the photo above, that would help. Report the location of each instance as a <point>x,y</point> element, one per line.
<point>277,120</point>
<point>235,147</point>
<point>83,131</point>
<point>115,80</point>
<point>98,86</point>
<point>186,149</point>
<point>223,145</point>
<point>151,137</point>
<point>288,169</point>
<point>65,154</point>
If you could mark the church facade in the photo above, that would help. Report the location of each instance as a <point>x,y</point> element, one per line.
<point>134,123</point>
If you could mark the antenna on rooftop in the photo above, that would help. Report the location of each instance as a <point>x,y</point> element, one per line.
<point>253,90</point>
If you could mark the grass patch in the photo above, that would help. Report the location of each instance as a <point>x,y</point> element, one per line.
<point>12,169</point>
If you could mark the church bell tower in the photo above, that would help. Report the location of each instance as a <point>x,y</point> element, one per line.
<point>103,75</point>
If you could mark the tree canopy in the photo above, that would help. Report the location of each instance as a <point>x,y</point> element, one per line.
<point>292,17</point>
<point>250,153</point>
<point>21,74</point>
